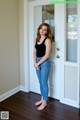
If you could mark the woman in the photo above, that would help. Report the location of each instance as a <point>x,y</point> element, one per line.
<point>41,61</point>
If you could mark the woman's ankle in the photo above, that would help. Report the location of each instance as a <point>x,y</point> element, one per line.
<point>44,101</point>
<point>43,105</point>
<point>38,102</point>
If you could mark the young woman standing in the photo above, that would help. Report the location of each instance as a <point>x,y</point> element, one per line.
<point>41,61</point>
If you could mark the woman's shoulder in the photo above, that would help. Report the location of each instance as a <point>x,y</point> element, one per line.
<point>47,40</point>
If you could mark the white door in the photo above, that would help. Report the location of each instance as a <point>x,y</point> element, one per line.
<point>42,11</point>
<point>64,79</point>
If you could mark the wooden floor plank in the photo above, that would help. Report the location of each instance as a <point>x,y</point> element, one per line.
<point>21,107</point>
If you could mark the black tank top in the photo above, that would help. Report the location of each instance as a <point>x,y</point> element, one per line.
<point>41,48</point>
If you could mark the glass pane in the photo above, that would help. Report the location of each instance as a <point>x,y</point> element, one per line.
<point>45,14</point>
<point>48,17</point>
<point>71,41</point>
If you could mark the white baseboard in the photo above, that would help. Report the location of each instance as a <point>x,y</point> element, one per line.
<point>24,89</point>
<point>9,93</point>
<point>70,102</point>
<point>12,92</point>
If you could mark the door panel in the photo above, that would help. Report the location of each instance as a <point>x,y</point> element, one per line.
<point>46,13</point>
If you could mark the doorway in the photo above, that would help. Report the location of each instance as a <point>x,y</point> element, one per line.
<point>49,13</point>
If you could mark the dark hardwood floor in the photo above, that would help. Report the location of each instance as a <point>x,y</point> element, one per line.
<point>21,107</point>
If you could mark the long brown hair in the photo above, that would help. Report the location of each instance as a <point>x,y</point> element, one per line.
<point>48,35</point>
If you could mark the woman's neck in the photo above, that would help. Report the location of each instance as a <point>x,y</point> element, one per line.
<point>42,37</point>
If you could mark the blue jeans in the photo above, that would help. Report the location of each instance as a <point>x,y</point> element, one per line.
<point>43,74</point>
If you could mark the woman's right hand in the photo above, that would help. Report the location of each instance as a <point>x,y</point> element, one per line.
<point>36,66</point>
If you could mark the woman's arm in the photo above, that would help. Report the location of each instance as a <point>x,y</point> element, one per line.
<point>47,54</point>
<point>34,55</point>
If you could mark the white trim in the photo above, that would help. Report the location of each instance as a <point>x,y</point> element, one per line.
<point>26,46</point>
<point>63,34</point>
<point>70,103</point>
<point>12,92</point>
<point>72,64</point>
<point>78,55</point>
<point>22,88</point>
<point>9,93</point>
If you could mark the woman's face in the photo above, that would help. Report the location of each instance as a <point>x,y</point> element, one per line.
<point>43,30</point>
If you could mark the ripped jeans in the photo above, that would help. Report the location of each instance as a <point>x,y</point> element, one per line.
<point>43,74</point>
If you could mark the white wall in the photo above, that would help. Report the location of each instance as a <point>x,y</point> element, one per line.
<point>9,45</point>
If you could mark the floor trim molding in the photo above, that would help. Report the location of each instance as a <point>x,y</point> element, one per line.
<point>12,92</point>
<point>9,93</point>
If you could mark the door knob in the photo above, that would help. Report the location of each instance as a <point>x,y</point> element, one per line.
<point>58,49</point>
<point>57,56</point>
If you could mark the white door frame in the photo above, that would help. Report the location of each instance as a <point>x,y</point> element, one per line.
<point>59,36</point>
<point>25,52</point>
<point>24,45</point>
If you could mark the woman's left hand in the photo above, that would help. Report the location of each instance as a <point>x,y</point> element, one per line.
<point>36,65</point>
